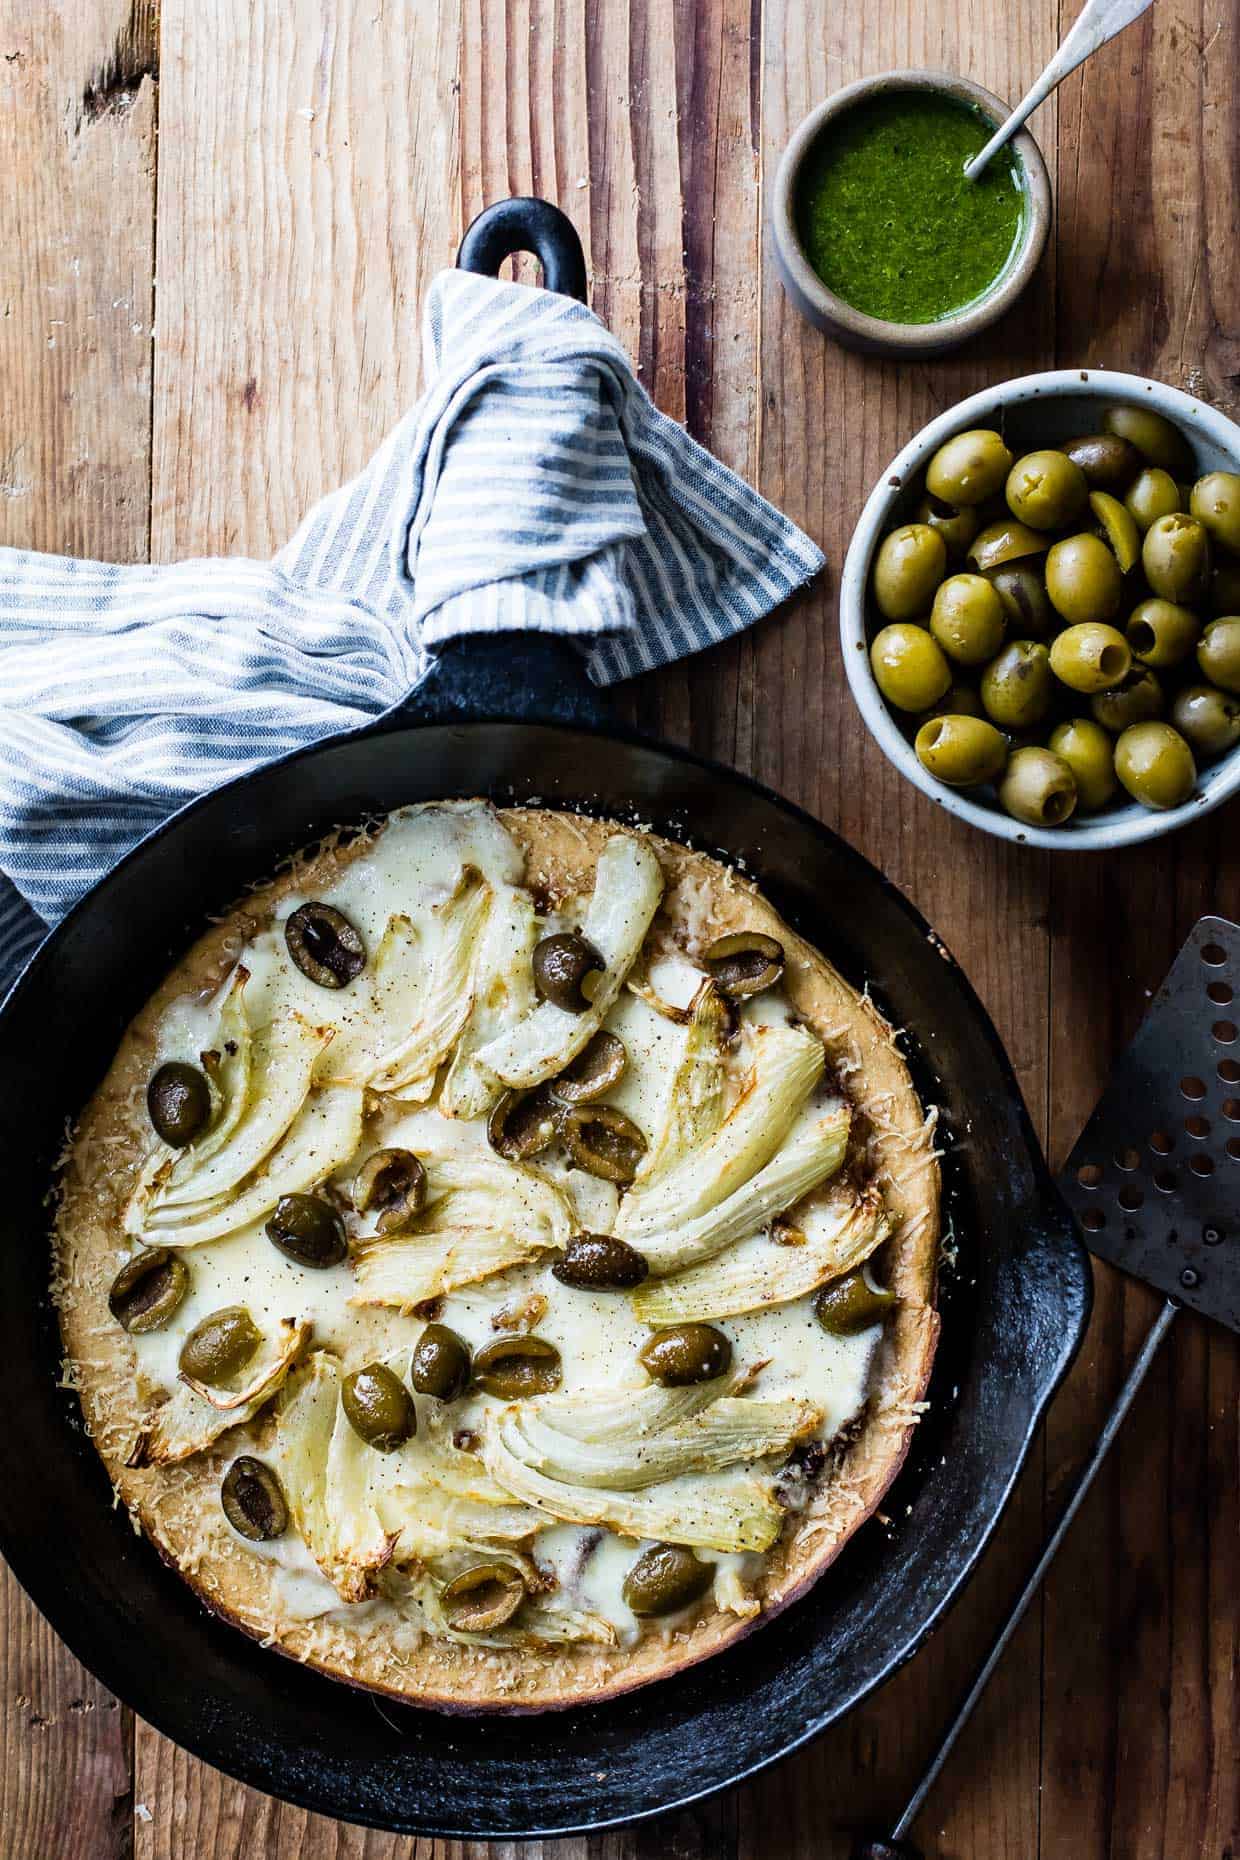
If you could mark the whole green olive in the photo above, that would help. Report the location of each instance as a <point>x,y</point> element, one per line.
<point>1152,495</point>
<point>603,1142</point>
<point>600,1263</point>
<point>1155,764</point>
<point>253,1500</point>
<point>1017,685</point>
<point>483,1597</point>
<point>1176,558</point>
<point>1218,654</point>
<point>1002,542</point>
<point>969,468</point>
<point>393,1181</point>
<point>1161,634</point>
<point>745,963</point>
<point>1089,753</point>
<point>909,566</point>
<point>1026,607</point>
<point>847,1306</point>
<point>685,1353</point>
<point>956,701</point>
<point>1046,490</point>
<point>1090,657</point>
<point>1108,462</point>
<point>665,1579</point>
<point>378,1407</point>
<point>598,1066</point>
<point>967,619</point>
<point>565,967</point>
<point>148,1289</point>
<point>308,1230</point>
<point>1131,701</point>
<point>1155,438</point>
<point>1083,579</point>
<point>956,527</point>
<point>518,1366</point>
<point>178,1102</point>
<point>324,945</point>
<point>220,1346</point>
<point>961,751</point>
<point>440,1365</point>
<point>1224,594</point>
<point>910,668</point>
<point>1038,788</point>
<point>1119,529</point>
<point>1208,719</point>
<point>1215,502</point>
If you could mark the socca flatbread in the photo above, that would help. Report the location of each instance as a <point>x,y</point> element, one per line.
<point>785,1195</point>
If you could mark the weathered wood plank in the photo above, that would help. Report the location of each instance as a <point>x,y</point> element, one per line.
<point>77,136</point>
<point>1142,1636</point>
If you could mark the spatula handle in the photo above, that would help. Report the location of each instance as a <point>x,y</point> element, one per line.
<point>897,1847</point>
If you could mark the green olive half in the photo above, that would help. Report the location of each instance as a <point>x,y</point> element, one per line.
<point>1118,527</point>
<point>565,966</point>
<point>604,1142</point>
<point>600,1263</point>
<point>147,1290</point>
<point>685,1353</point>
<point>308,1230</point>
<point>851,1304</point>
<point>394,1182</point>
<point>665,1579</point>
<point>378,1407</point>
<point>1002,542</point>
<point>324,945</point>
<point>524,1123</point>
<point>745,963</point>
<point>220,1346</point>
<point>178,1102</point>
<point>441,1365</point>
<point>598,1066</point>
<point>253,1500</point>
<point>515,1367</point>
<point>483,1597</point>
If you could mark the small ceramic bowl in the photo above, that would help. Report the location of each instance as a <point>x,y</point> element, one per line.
<point>853,327</point>
<point>1030,411</point>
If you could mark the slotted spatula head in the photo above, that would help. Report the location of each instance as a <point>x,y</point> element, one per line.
<point>1154,1179</point>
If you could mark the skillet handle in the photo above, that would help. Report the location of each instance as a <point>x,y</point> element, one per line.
<point>536,676</point>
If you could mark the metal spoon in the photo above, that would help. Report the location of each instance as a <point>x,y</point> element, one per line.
<point>1097,21</point>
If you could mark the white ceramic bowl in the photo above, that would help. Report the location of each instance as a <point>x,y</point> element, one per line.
<point>1032,410</point>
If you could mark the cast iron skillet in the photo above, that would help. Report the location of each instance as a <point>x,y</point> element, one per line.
<point>515,721</point>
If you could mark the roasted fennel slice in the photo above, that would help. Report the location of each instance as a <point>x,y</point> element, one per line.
<point>324,1134</point>
<point>326,1471</point>
<point>696,1100</point>
<point>503,997</point>
<point>808,1159</point>
<point>482,1216</point>
<point>195,1415</point>
<point>407,1070</point>
<point>276,1079</point>
<point>385,998</point>
<point>728,1432</point>
<point>628,885</point>
<point>417,1593</point>
<point>787,1065</point>
<point>758,1274</point>
<point>732,1510</point>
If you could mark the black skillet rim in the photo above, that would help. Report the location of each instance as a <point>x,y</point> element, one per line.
<point>40,1582</point>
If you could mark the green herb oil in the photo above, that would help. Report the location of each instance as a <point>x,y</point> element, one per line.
<point>888,220</point>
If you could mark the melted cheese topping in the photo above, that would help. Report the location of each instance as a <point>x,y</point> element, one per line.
<point>411,871</point>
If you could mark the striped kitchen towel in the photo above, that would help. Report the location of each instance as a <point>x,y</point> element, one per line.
<point>535,485</point>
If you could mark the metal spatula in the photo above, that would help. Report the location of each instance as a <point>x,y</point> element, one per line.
<point>1154,1183</point>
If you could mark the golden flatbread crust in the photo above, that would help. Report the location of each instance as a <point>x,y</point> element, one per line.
<point>178,1506</point>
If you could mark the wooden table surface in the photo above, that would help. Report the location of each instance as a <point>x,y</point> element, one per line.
<point>215,238</point>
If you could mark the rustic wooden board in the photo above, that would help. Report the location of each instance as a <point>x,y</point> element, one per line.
<point>316,165</point>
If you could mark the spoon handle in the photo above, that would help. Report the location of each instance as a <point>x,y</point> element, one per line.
<point>1097,21</point>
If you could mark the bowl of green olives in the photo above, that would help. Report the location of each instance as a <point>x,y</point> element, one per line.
<point>1040,609</point>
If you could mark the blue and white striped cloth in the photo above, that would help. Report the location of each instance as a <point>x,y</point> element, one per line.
<point>534,485</point>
